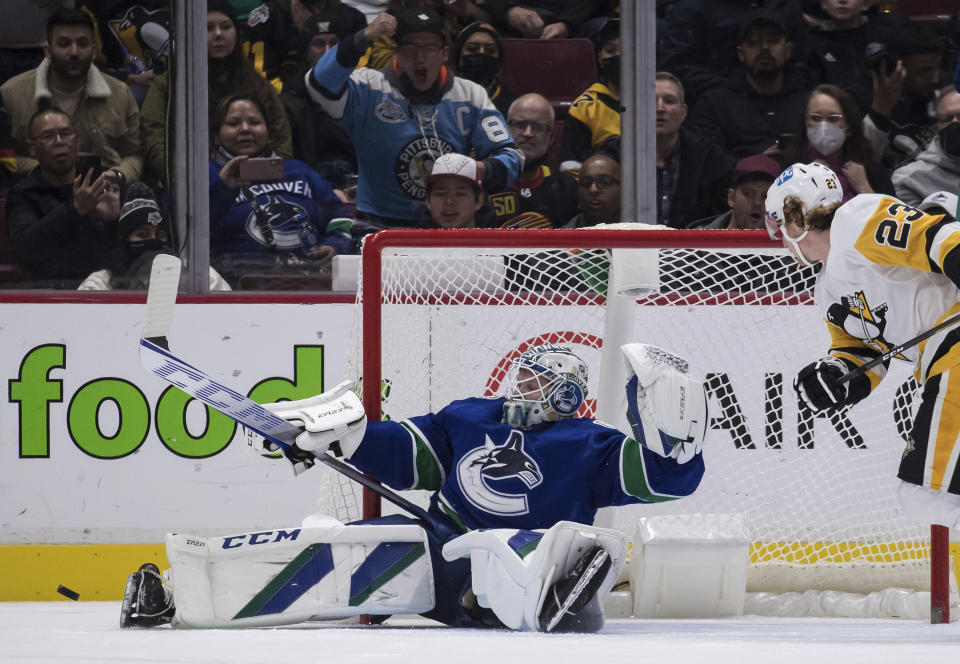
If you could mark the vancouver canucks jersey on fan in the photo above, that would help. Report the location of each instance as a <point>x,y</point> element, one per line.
<point>301,194</point>
<point>891,274</point>
<point>397,140</point>
<point>492,475</point>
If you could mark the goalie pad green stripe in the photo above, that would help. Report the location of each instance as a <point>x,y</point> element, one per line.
<point>633,474</point>
<point>429,474</point>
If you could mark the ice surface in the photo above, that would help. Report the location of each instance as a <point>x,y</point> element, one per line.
<point>74,632</point>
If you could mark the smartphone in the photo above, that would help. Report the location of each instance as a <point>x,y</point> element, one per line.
<point>85,162</point>
<point>788,142</point>
<point>261,169</point>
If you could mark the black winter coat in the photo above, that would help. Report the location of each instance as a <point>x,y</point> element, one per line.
<point>47,236</point>
<point>744,122</point>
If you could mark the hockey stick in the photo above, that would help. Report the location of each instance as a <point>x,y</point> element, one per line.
<point>896,350</point>
<point>156,357</point>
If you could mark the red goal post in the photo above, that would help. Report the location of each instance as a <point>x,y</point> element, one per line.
<point>441,312</point>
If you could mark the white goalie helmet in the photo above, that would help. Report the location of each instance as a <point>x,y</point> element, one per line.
<point>547,383</point>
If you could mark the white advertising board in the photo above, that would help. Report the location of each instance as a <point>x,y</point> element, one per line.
<point>82,459</point>
<point>94,449</point>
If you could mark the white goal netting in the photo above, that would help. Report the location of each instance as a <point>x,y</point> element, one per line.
<point>818,493</point>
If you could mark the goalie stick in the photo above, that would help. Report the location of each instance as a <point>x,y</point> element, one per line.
<point>896,350</point>
<point>156,357</point>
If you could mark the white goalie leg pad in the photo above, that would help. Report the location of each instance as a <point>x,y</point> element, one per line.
<point>668,411</point>
<point>513,581</point>
<point>322,569</point>
<point>334,415</point>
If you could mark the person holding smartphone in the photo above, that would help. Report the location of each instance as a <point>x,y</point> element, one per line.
<point>265,206</point>
<point>59,218</point>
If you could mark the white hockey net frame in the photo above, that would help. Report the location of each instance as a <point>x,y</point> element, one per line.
<point>441,313</point>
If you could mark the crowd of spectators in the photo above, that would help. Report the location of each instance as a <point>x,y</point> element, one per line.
<point>331,119</point>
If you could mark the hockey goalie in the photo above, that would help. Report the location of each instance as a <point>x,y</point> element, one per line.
<point>515,481</point>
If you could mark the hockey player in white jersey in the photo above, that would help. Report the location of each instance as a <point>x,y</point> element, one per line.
<point>505,542</point>
<point>890,272</point>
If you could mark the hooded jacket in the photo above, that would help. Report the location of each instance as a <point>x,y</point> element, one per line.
<point>48,237</point>
<point>933,170</point>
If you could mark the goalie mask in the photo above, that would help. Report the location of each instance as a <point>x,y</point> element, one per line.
<point>547,383</point>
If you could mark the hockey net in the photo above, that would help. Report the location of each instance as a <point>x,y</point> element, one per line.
<point>442,313</point>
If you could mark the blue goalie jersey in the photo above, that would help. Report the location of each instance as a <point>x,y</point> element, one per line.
<point>491,475</point>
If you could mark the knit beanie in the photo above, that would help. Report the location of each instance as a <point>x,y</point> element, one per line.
<point>471,29</point>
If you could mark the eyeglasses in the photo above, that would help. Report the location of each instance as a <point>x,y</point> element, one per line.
<point>65,134</point>
<point>602,181</point>
<point>833,118</point>
<point>520,126</point>
<point>412,50</point>
<point>950,117</point>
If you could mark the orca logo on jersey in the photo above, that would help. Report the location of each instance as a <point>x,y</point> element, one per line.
<point>279,213</point>
<point>483,468</point>
<point>854,316</point>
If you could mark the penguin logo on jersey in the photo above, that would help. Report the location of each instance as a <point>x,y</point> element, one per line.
<point>485,473</point>
<point>415,161</point>
<point>854,315</point>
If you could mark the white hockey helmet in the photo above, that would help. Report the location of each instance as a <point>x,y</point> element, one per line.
<point>547,383</point>
<point>814,184</point>
<point>940,202</point>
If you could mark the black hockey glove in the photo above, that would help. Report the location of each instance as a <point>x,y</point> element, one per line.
<point>817,386</point>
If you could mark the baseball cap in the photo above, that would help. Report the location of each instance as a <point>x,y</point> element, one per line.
<point>756,164</point>
<point>417,19</point>
<point>940,202</point>
<point>327,21</point>
<point>758,17</point>
<point>455,165</point>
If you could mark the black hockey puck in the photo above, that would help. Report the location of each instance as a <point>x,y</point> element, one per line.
<point>69,594</point>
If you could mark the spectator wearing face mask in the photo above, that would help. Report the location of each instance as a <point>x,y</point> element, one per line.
<point>938,167</point>
<point>478,55</point>
<point>142,233</point>
<point>594,116</point>
<point>833,135</point>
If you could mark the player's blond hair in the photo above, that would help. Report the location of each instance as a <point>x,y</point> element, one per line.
<point>818,218</point>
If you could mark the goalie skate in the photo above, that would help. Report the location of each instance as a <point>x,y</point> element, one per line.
<point>570,595</point>
<point>146,602</point>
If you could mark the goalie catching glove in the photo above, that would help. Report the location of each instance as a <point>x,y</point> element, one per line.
<point>666,407</point>
<point>334,416</point>
<point>818,387</point>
